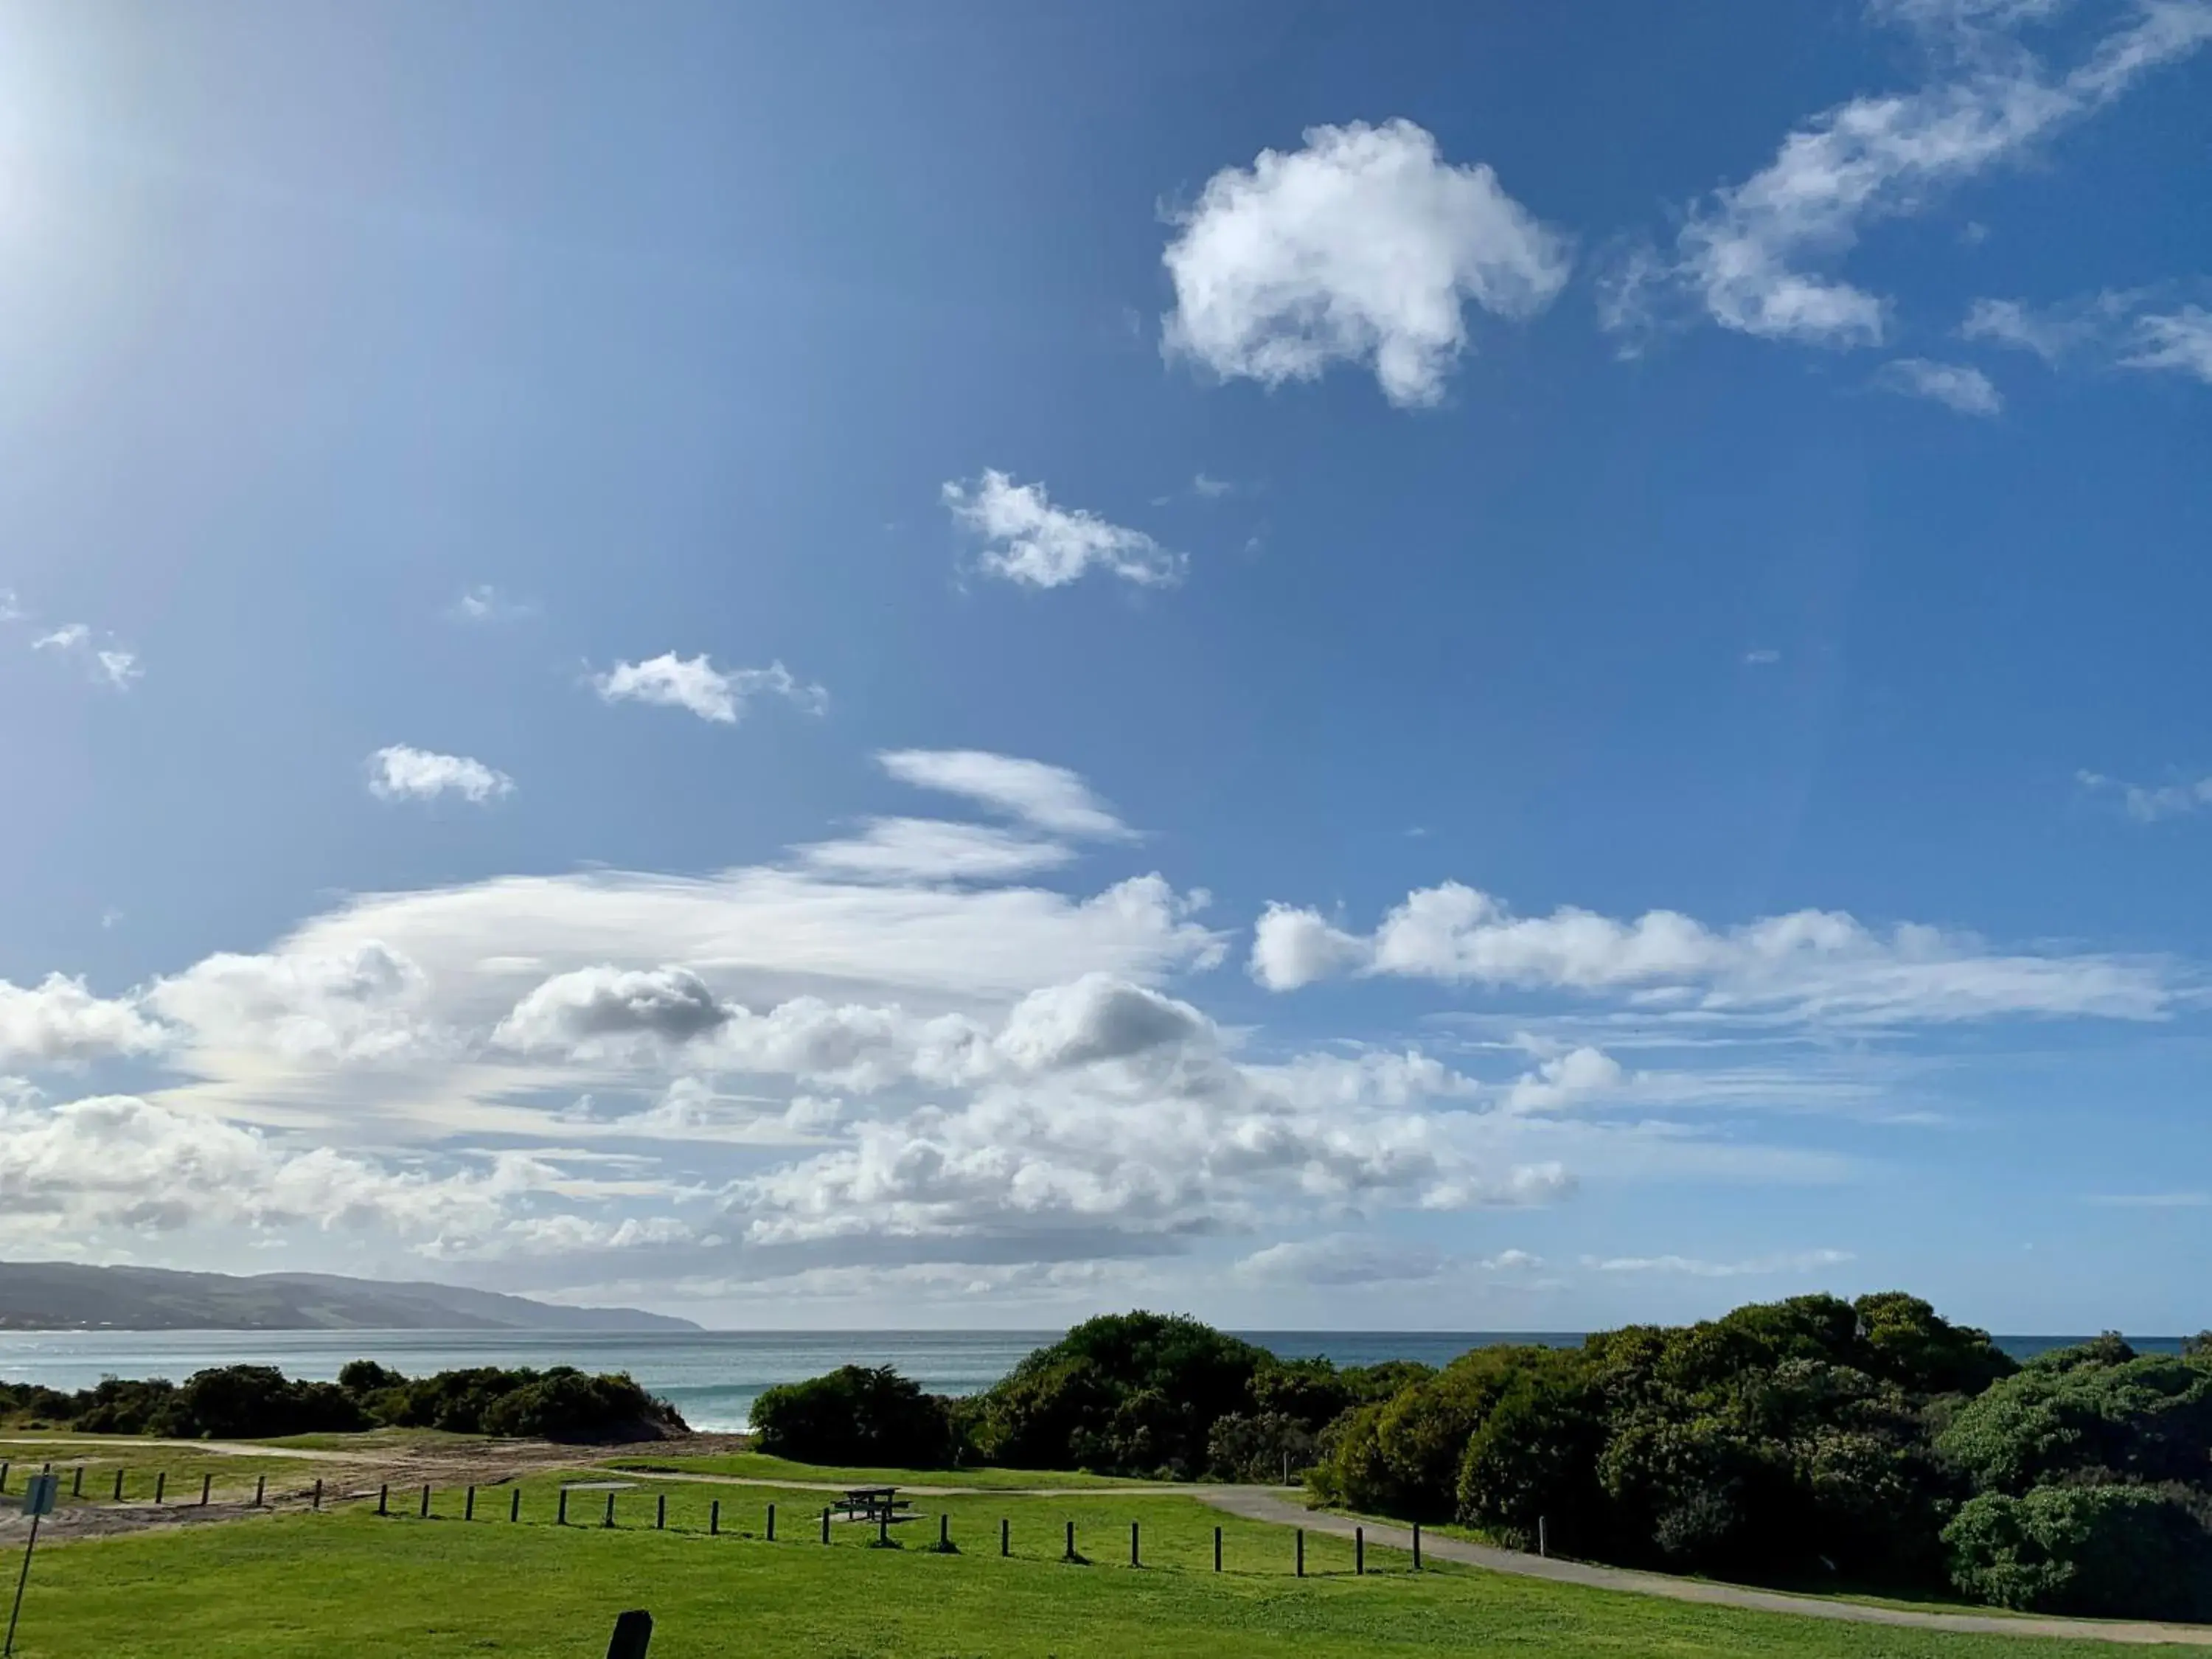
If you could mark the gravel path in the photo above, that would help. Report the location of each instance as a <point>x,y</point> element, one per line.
<point>1268,1503</point>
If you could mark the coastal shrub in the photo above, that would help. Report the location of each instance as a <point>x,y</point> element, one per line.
<point>855,1414</point>
<point>2099,1405</point>
<point>2101,1550</point>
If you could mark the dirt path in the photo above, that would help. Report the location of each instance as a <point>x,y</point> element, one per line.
<point>1268,1503</point>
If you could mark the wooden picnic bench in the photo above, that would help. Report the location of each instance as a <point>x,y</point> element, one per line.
<point>882,1505</point>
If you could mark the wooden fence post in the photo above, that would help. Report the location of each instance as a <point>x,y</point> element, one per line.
<point>1543,1539</point>
<point>609,1521</point>
<point>118,1486</point>
<point>1133,1559</point>
<point>317,1501</point>
<point>469,1506</point>
<point>207,1485</point>
<point>1005,1536</point>
<point>76,1482</point>
<point>1070,1556</point>
<point>714,1519</point>
<point>771,1523</point>
<point>426,1500</point>
<point>161,1484</point>
<point>1302,1552</point>
<point>561,1519</point>
<point>383,1496</point>
<point>945,1534</point>
<point>825,1526</point>
<point>514,1505</point>
<point>632,1635</point>
<point>1217,1549</point>
<point>1417,1547</point>
<point>260,1489</point>
<point>660,1514</point>
<point>1359,1552</point>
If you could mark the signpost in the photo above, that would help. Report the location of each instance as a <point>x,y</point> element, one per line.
<point>38,1502</point>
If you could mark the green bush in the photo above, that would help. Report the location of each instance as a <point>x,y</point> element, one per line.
<point>2096,1407</point>
<point>855,1414</point>
<point>2101,1550</point>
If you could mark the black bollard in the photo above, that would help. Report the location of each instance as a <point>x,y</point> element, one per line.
<point>469,1506</point>
<point>1217,1549</point>
<point>76,1482</point>
<point>660,1513</point>
<point>383,1500</point>
<point>317,1500</point>
<point>825,1526</point>
<point>632,1635</point>
<point>1005,1536</point>
<point>609,1521</point>
<point>945,1534</point>
<point>1070,1556</point>
<point>514,1505</point>
<point>1358,1552</point>
<point>561,1518</point>
<point>1302,1552</point>
<point>161,1484</point>
<point>207,1484</point>
<point>1133,1561</point>
<point>714,1519</point>
<point>771,1523</point>
<point>118,1485</point>
<point>260,1489</point>
<point>1417,1547</point>
<point>426,1500</point>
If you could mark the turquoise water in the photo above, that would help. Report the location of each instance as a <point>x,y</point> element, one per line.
<point>712,1377</point>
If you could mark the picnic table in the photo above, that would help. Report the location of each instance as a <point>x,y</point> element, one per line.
<point>881,1504</point>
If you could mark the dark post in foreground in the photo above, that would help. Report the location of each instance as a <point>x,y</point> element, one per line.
<point>383,1499</point>
<point>317,1500</point>
<point>1217,1549</point>
<point>609,1521</point>
<point>632,1635</point>
<point>469,1506</point>
<point>825,1526</point>
<point>207,1485</point>
<point>560,1516</point>
<point>771,1523</point>
<point>161,1484</point>
<point>1071,1555</point>
<point>1358,1552</point>
<point>514,1505</point>
<point>1302,1552</point>
<point>118,1485</point>
<point>714,1519</point>
<point>1134,1560</point>
<point>1005,1536</point>
<point>261,1490</point>
<point>76,1482</point>
<point>1417,1547</point>
<point>426,1500</point>
<point>660,1514</point>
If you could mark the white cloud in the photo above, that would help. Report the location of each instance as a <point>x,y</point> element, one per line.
<point>2148,803</point>
<point>2051,332</point>
<point>2155,1200</point>
<point>1051,798</point>
<point>11,607</point>
<point>933,849</point>
<point>1809,964</point>
<point>2180,341</point>
<point>1751,254</point>
<point>1212,490</point>
<point>1955,385</point>
<point>485,604</point>
<point>1761,657</point>
<point>575,1010</point>
<point>1567,1079</point>
<point>711,693</point>
<point>361,1002</point>
<point>399,773</point>
<point>1365,247</point>
<point>61,1022</point>
<point>1803,1261</point>
<point>1026,539</point>
<point>1340,1258</point>
<point>110,665</point>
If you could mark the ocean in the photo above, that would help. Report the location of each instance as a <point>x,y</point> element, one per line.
<point>712,1377</point>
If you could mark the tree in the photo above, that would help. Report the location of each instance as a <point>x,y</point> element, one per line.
<point>855,1414</point>
<point>2102,1551</point>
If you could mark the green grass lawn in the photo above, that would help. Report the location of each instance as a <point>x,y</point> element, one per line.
<point>758,1466</point>
<point>179,1471</point>
<point>350,1582</point>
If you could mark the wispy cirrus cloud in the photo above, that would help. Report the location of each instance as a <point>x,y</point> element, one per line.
<point>1957,387</point>
<point>1757,256</point>
<point>696,685</point>
<point>2148,803</point>
<point>1029,541</point>
<point>2145,330</point>
<point>1366,247</point>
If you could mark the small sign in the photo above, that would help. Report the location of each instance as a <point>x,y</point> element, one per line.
<point>39,1497</point>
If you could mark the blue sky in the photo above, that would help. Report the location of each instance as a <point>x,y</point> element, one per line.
<point>1384,666</point>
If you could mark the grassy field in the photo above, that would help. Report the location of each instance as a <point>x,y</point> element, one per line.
<point>349,1582</point>
<point>178,1470</point>
<point>757,1466</point>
